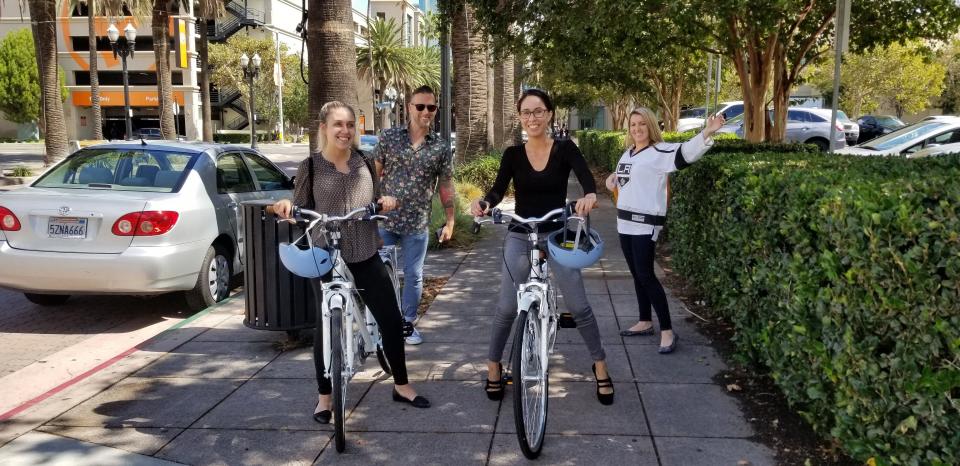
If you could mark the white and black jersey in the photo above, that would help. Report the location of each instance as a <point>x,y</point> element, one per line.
<point>642,183</point>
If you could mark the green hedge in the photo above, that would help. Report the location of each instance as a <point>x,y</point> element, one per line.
<point>604,148</point>
<point>842,276</point>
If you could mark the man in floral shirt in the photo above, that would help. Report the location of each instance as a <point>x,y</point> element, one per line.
<point>413,162</point>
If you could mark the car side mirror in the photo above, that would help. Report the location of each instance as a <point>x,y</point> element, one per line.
<point>290,183</point>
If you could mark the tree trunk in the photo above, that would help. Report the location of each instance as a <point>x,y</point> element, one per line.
<point>203,50</point>
<point>161,50</point>
<point>44,13</point>
<point>505,114</point>
<point>470,85</point>
<point>517,82</point>
<point>752,63</point>
<point>332,55</point>
<point>94,77</point>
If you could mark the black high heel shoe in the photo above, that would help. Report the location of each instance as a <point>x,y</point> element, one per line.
<point>417,401</point>
<point>495,389</point>
<point>604,398</point>
<point>323,417</point>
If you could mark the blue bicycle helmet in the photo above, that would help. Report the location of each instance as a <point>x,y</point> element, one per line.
<point>312,262</point>
<point>575,250</point>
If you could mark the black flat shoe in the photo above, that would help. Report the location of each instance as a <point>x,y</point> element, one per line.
<point>637,333</point>
<point>417,401</point>
<point>669,349</point>
<point>495,389</point>
<point>323,417</point>
<point>604,398</point>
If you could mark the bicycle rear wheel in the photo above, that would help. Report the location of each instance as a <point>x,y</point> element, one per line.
<point>531,385</point>
<point>338,344</point>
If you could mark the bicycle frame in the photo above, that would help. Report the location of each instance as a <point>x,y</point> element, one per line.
<point>538,290</point>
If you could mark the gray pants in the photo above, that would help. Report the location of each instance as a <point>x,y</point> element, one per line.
<point>516,252</point>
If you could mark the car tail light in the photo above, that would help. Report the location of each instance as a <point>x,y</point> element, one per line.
<point>8,221</point>
<point>146,223</point>
<point>840,127</point>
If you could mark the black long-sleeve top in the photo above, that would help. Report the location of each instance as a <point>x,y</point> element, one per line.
<point>540,192</point>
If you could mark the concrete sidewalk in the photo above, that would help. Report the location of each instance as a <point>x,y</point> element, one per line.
<point>215,392</point>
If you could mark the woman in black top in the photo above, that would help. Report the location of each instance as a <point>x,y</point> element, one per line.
<point>539,170</point>
<point>342,180</point>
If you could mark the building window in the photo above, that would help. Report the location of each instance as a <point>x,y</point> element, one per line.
<point>363,30</point>
<point>356,27</point>
<point>81,44</point>
<point>409,30</point>
<point>381,15</point>
<point>115,78</point>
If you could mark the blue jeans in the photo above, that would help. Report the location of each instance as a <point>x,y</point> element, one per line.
<point>413,251</point>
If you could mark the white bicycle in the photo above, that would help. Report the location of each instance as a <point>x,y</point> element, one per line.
<point>350,331</point>
<point>538,317</point>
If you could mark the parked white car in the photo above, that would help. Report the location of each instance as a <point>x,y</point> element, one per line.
<point>810,126</point>
<point>134,218</point>
<point>850,128</point>
<point>935,150</point>
<point>927,134</point>
<point>691,119</point>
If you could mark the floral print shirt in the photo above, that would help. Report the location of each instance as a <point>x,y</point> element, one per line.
<point>411,175</point>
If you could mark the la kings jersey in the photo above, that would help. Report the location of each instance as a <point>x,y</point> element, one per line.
<point>642,180</point>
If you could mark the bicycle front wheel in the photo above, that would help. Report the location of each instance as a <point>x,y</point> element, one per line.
<point>338,376</point>
<point>531,384</point>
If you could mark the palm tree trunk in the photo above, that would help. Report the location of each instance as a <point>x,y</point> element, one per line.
<point>470,85</point>
<point>203,50</point>
<point>44,14</point>
<point>94,77</point>
<point>504,114</point>
<point>161,50</point>
<point>332,55</point>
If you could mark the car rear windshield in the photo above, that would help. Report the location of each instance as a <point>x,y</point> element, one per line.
<point>889,121</point>
<point>119,170</point>
<point>904,135</point>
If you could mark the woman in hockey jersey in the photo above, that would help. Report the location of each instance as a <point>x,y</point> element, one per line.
<point>642,181</point>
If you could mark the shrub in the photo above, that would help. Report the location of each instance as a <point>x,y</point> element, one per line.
<point>842,276</point>
<point>480,172</point>
<point>462,236</point>
<point>21,171</point>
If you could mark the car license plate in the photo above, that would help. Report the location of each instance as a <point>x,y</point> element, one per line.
<point>67,228</point>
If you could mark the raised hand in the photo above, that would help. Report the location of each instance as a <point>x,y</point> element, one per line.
<point>714,123</point>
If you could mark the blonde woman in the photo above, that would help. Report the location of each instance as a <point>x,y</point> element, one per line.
<point>641,179</point>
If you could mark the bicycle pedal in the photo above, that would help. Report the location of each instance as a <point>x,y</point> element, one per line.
<point>566,321</point>
<point>507,379</point>
<point>407,328</point>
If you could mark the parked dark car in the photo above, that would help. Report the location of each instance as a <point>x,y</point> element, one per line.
<point>873,126</point>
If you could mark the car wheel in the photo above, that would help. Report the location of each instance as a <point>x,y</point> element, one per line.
<point>47,299</point>
<point>820,143</point>
<point>213,281</point>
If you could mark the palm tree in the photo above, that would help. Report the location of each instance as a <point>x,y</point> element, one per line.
<point>92,12</point>
<point>43,14</point>
<point>160,20</point>
<point>206,10</point>
<point>425,67</point>
<point>504,114</point>
<point>332,56</point>
<point>469,83</point>
<point>384,60</point>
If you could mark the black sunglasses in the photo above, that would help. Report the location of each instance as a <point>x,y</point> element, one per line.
<point>420,107</point>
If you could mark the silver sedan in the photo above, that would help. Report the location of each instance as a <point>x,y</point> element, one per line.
<point>134,218</point>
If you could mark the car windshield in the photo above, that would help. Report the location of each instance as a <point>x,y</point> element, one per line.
<point>906,135</point>
<point>692,113</point>
<point>889,121</point>
<point>119,170</point>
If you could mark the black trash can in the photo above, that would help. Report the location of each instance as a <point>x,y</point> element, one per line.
<point>276,298</point>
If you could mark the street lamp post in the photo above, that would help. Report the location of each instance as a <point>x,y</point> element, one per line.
<point>123,46</point>
<point>251,69</point>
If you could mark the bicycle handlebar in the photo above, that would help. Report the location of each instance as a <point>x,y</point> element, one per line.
<point>498,217</point>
